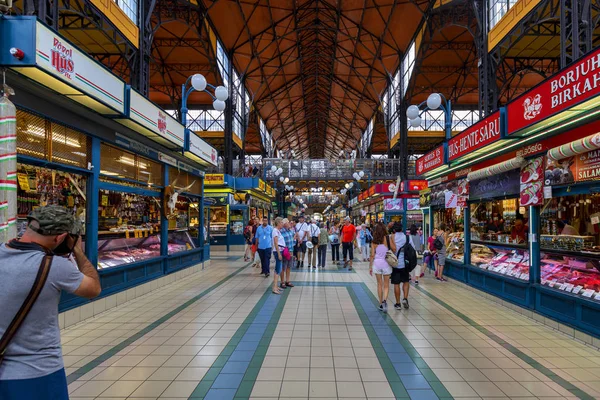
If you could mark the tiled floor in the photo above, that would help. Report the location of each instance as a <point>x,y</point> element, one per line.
<point>220,334</point>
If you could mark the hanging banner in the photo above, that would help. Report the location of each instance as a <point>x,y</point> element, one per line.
<point>581,168</point>
<point>393,205</point>
<point>451,200</point>
<point>8,169</point>
<point>475,137</point>
<point>569,87</point>
<point>532,182</point>
<point>413,204</point>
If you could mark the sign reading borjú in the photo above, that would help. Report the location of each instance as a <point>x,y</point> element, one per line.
<point>451,199</point>
<point>577,83</point>
<point>475,137</point>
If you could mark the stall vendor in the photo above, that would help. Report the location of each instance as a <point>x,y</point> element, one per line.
<point>566,229</point>
<point>519,231</point>
<point>492,226</point>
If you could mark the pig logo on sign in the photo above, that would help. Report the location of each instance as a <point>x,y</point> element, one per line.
<point>532,107</point>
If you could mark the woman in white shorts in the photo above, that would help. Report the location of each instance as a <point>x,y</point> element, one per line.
<point>379,266</point>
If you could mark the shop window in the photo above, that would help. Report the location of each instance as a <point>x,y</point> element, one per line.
<point>40,138</point>
<point>39,186</point>
<point>183,225</point>
<point>121,164</point>
<point>128,228</point>
<point>237,222</point>
<point>499,237</point>
<point>454,223</point>
<point>182,179</point>
<point>570,238</point>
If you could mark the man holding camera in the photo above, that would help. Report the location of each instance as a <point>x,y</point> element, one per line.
<point>35,270</point>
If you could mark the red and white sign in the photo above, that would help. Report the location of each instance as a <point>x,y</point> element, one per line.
<point>451,199</point>
<point>62,58</point>
<point>572,85</point>
<point>475,137</point>
<point>431,160</point>
<point>414,185</point>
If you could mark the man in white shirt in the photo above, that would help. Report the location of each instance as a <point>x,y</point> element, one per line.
<point>314,232</point>
<point>302,235</point>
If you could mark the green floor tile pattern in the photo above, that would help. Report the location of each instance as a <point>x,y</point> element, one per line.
<point>72,377</point>
<point>518,353</point>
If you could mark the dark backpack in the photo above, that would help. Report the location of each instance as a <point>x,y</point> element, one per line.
<point>410,255</point>
<point>438,244</point>
<point>368,236</point>
<point>247,232</point>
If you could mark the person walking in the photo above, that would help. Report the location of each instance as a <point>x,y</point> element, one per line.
<point>400,275</point>
<point>378,264</point>
<point>335,243</point>
<point>348,239</point>
<point>278,246</point>
<point>264,235</point>
<point>314,233</point>
<point>288,235</point>
<point>248,240</point>
<point>323,243</point>
<point>440,247</point>
<point>302,233</point>
<point>362,242</point>
<point>416,243</point>
<point>35,270</point>
<point>254,248</point>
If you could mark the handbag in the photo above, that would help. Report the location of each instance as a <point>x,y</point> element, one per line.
<point>314,239</point>
<point>390,257</point>
<point>286,254</point>
<point>34,293</point>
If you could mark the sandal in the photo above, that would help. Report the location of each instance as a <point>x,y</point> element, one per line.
<point>289,284</point>
<point>275,292</point>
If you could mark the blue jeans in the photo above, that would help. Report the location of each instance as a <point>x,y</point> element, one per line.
<point>278,263</point>
<point>49,387</point>
<point>265,260</point>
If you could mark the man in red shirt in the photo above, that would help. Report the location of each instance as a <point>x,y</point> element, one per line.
<point>348,238</point>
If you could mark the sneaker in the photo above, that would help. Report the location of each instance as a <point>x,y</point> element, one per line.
<point>385,308</point>
<point>381,307</point>
<point>416,282</point>
<point>398,306</point>
<point>405,303</point>
<point>350,268</point>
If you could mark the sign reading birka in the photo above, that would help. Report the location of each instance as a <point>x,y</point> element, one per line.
<point>431,160</point>
<point>571,86</point>
<point>481,134</point>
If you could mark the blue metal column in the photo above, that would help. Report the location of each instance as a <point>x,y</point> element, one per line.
<point>201,211</point>
<point>91,229</point>
<point>164,222</point>
<point>467,248</point>
<point>534,253</point>
<point>404,215</point>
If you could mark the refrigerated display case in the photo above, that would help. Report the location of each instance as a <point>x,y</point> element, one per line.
<point>116,249</point>
<point>508,260</point>
<point>180,240</point>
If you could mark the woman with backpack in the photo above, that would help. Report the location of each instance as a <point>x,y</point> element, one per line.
<point>440,247</point>
<point>416,242</point>
<point>379,265</point>
<point>401,274</point>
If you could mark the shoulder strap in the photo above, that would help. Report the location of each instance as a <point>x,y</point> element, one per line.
<point>387,237</point>
<point>34,293</point>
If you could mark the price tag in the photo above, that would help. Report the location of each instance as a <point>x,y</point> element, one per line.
<point>552,283</point>
<point>23,182</point>
<point>544,281</point>
<point>577,289</point>
<point>562,286</point>
<point>569,287</point>
<point>104,200</point>
<point>525,277</point>
<point>588,293</point>
<point>127,234</point>
<point>597,297</point>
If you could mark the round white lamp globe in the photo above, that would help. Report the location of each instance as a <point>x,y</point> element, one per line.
<point>286,180</point>
<point>221,93</point>
<point>434,101</point>
<point>273,168</point>
<point>281,179</point>
<point>219,105</point>
<point>412,112</point>
<point>361,174</point>
<point>279,171</point>
<point>415,122</point>
<point>198,82</point>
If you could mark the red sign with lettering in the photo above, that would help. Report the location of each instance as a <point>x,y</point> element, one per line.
<point>475,137</point>
<point>416,185</point>
<point>431,160</point>
<point>572,85</point>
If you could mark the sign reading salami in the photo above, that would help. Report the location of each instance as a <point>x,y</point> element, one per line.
<point>431,160</point>
<point>580,168</point>
<point>475,137</point>
<point>577,83</point>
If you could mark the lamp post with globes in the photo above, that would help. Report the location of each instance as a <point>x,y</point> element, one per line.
<point>198,83</point>
<point>433,102</point>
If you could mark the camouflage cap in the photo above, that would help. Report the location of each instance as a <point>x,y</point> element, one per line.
<point>54,220</point>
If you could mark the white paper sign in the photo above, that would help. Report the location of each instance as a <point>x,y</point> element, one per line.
<point>597,297</point>
<point>562,286</point>
<point>451,200</point>
<point>547,192</point>
<point>577,289</point>
<point>525,277</point>
<point>569,287</point>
